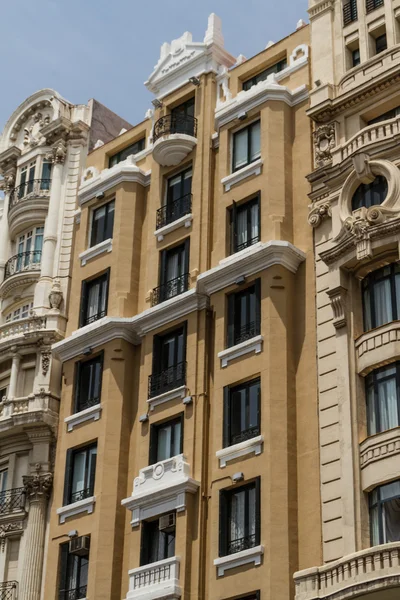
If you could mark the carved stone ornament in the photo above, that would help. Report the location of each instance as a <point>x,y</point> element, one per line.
<point>46,356</point>
<point>56,295</point>
<point>58,153</point>
<point>337,297</point>
<point>324,142</point>
<point>10,529</point>
<point>318,213</point>
<point>38,486</point>
<point>9,181</point>
<point>32,133</point>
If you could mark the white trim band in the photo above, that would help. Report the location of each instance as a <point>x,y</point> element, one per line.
<point>237,450</point>
<point>184,221</point>
<point>105,246</point>
<point>252,555</point>
<point>252,345</point>
<point>82,506</point>
<point>179,392</point>
<point>253,168</point>
<point>89,414</point>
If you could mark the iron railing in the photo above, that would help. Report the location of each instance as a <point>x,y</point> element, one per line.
<point>24,261</point>
<point>350,12</point>
<point>74,594</point>
<point>371,5</point>
<point>244,543</point>
<point>243,436</point>
<point>247,243</point>
<point>93,318</point>
<point>35,187</point>
<point>80,495</point>
<point>175,124</point>
<point>84,403</point>
<point>167,380</point>
<point>8,590</point>
<point>246,332</point>
<point>170,289</point>
<point>11,500</point>
<point>173,211</point>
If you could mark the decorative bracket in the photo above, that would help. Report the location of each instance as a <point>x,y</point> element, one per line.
<point>337,296</point>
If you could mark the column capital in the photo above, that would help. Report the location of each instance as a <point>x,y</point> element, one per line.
<point>38,486</point>
<point>58,153</point>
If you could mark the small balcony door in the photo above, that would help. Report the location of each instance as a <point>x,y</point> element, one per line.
<point>174,271</point>
<point>182,118</point>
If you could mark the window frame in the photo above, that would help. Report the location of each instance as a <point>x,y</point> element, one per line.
<point>154,432</point>
<point>378,505</point>
<point>228,400</point>
<point>249,129</point>
<point>145,538</point>
<point>79,366</point>
<point>372,382</point>
<point>115,159</point>
<point>105,205</point>
<point>247,84</point>
<point>90,475</point>
<point>378,39</point>
<point>233,215</point>
<point>371,279</point>
<point>157,346</point>
<point>64,569</point>
<point>231,320</point>
<point>85,286</point>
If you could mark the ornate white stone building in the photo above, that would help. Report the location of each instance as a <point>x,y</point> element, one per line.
<point>42,152</point>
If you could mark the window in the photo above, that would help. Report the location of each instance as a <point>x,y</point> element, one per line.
<point>370,194</point>
<point>241,412</point>
<point>158,542</point>
<point>355,57</point>
<point>372,4</point>
<point>94,299</point>
<point>46,175</point>
<point>381,296</point>
<point>239,518</point>
<point>102,223</point>
<point>129,151</point>
<point>174,275</point>
<point>19,313</point>
<point>178,198</point>
<point>245,224</point>
<point>276,68</point>
<point>3,392</point>
<point>246,146</point>
<point>73,574</point>
<point>390,114</point>
<point>182,118</point>
<point>26,179</point>
<point>169,366</point>
<point>384,507</point>
<point>243,315</point>
<point>29,249</point>
<point>380,43</point>
<point>3,484</point>
<point>166,440</point>
<point>349,11</point>
<point>88,383</point>
<point>80,474</point>
<point>382,394</point>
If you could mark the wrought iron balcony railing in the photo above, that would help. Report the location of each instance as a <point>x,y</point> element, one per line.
<point>84,403</point>
<point>173,211</point>
<point>93,318</point>
<point>24,261</point>
<point>243,436</point>
<point>12,500</point>
<point>350,12</point>
<point>247,243</point>
<point>80,495</point>
<point>371,5</point>
<point>73,594</point>
<point>244,543</point>
<point>35,187</point>
<point>245,332</point>
<point>170,289</point>
<point>167,380</point>
<point>172,123</point>
<point>8,590</point>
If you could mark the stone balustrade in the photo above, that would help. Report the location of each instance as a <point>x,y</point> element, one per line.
<point>156,580</point>
<point>15,329</point>
<point>378,347</point>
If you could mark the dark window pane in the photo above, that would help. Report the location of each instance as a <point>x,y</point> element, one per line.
<point>88,383</point>
<point>381,43</point>
<point>243,316</point>
<point>370,194</point>
<point>156,545</point>
<point>276,68</point>
<point>243,412</point>
<point>381,297</point>
<point>246,145</point>
<point>385,513</point>
<point>102,223</point>
<point>240,518</point>
<point>129,151</point>
<point>382,396</point>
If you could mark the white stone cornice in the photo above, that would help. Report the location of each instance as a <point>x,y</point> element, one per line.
<point>248,262</point>
<point>266,90</point>
<point>109,178</point>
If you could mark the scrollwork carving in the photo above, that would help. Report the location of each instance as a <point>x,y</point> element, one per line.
<point>337,296</point>
<point>324,142</point>
<point>318,213</point>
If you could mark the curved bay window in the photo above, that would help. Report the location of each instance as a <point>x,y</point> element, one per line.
<point>382,393</point>
<point>370,194</point>
<point>381,296</point>
<point>384,510</point>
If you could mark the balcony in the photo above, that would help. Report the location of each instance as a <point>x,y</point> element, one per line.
<point>371,5</point>
<point>246,332</point>
<point>15,330</point>
<point>12,501</point>
<point>173,215</point>
<point>160,488</point>
<point>174,137</point>
<point>8,590</point>
<point>379,458</point>
<point>170,289</point>
<point>355,576</point>
<point>39,408</point>
<point>73,594</point>
<point>167,380</point>
<point>21,269</point>
<point>377,347</point>
<point>29,203</point>
<point>350,12</point>
<point>157,580</point>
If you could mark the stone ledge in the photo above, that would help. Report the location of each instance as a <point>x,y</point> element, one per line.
<point>89,414</point>
<point>179,392</point>
<point>94,251</point>
<point>253,168</point>
<point>237,450</point>
<point>252,345</point>
<point>76,508</point>
<point>251,555</point>
<point>184,221</point>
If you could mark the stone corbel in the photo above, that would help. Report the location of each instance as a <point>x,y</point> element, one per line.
<point>58,153</point>
<point>318,213</point>
<point>337,296</point>
<point>362,168</point>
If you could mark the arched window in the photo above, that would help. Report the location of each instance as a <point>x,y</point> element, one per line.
<point>370,194</point>
<point>381,296</point>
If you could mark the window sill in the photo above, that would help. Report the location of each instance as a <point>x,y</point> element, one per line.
<point>94,251</point>
<point>93,412</point>
<point>82,506</point>
<point>179,392</point>
<point>252,555</point>
<point>253,168</point>
<point>184,221</point>
<point>237,450</point>
<point>252,345</point>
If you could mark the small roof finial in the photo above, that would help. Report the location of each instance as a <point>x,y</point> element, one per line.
<point>214,31</point>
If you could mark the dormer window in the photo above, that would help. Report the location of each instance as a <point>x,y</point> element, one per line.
<point>370,194</point>
<point>128,151</point>
<point>275,68</point>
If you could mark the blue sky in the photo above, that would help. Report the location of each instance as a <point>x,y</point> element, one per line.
<point>107,48</point>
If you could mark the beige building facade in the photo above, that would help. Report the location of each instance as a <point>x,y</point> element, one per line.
<point>354,106</point>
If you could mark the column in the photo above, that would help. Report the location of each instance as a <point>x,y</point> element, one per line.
<point>37,488</point>
<point>12,388</point>
<point>9,182</point>
<point>43,287</point>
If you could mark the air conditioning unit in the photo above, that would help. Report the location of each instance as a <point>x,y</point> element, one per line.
<point>167,522</point>
<point>79,545</point>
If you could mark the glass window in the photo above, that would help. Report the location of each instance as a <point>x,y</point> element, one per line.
<point>129,151</point>
<point>382,394</point>
<point>182,118</point>
<point>88,383</point>
<point>94,299</point>
<point>380,43</point>
<point>390,114</point>
<point>102,223</point>
<point>370,194</point>
<point>243,315</point>
<point>158,543</point>
<point>73,574</point>
<point>169,362</point>
<point>355,57</point>
<point>239,518</point>
<point>241,412</point>
<point>384,507</point>
<point>246,146</point>
<point>46,176</point>
<point>245,224</point>
<point>381,296</point>
<point>19,313</point>
<point>166,440</point>
<point>80,474</point>
<point>174,276</point>
<point>276,68</point>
